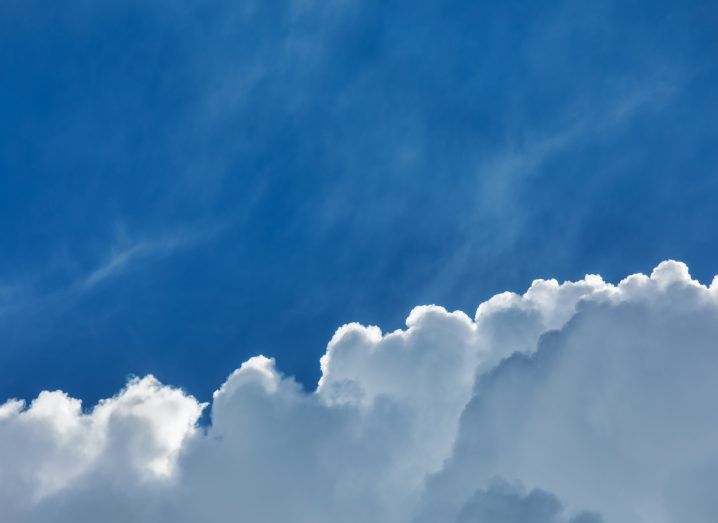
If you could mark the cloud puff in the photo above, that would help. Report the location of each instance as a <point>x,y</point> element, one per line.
<point>504,503</point>
<point>597,395</point>
<point>51,448</point>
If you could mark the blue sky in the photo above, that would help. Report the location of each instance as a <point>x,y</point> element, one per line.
<point>184,185</point>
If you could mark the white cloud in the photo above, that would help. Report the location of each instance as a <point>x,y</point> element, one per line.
<point>122,258</point>
<point>597,395</point>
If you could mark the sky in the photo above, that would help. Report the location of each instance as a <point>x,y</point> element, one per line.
<point>185,186</point>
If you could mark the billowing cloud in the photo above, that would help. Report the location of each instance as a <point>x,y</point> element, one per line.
<point>504,503</point>
<point>581,402</point>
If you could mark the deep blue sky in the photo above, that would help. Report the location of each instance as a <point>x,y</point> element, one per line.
<point>184,184</point>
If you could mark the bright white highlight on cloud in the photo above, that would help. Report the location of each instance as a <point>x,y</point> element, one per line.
<point>583,402</point>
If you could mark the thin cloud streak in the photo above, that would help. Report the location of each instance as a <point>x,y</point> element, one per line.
<point>123,260</point>
<point>123,257</point>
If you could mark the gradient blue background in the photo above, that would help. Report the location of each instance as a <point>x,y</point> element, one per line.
<point>186,184</point>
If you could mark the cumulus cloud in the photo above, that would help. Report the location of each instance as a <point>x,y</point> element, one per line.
<point>594,402</point>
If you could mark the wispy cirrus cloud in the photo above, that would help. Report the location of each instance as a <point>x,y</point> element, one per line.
<point>125,254</point>
<point>125,258</point>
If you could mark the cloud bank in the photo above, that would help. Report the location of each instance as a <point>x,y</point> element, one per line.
<point>581,402</point>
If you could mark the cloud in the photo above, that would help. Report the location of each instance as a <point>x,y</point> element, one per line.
<point>120,260</point>
<point>127,253</point>
<point>53,449</point>
<point>597,397</point>
<point>504,503</point>
<point>606,411</point>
